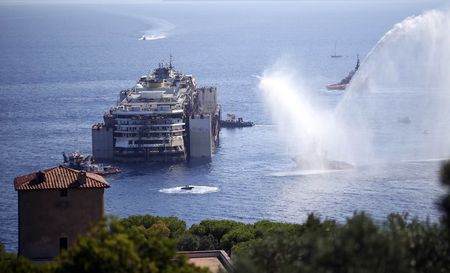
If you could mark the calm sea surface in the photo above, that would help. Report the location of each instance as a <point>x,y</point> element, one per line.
<point>62,67</point>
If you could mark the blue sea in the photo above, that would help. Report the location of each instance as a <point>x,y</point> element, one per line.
<point>62,66</point>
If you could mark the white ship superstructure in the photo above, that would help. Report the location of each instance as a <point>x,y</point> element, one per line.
<point>151,121</point>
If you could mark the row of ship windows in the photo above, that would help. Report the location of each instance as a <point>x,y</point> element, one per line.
<point>148,135</point>
<point>137,142</point>
<point>146,122</point>
<point>133,151</point>
<point>166,149</point>
<point>151,117</point>
<point>134,129</point>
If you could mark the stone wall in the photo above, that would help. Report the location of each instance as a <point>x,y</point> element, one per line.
<point>46,216</point>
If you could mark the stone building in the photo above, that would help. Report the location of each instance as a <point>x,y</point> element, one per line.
<point>55,206</point>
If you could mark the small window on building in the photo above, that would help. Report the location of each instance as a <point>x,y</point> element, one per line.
<point>62,243</point>
<point>63,192</point>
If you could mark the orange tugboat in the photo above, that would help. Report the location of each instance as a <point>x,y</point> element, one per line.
<point>342,85</point>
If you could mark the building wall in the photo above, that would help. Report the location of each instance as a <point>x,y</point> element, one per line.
<point>102,142</point>
<point>208,99</point>
<point>45,216</point>
<point>200,137</point>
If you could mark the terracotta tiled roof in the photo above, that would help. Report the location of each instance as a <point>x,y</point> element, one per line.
<point>59,178</point>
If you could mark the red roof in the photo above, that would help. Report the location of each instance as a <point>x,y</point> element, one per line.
<point>59,178</point>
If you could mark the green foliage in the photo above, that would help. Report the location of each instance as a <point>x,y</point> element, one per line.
<point>238,234</point>
<point>188,242</point>
<point>113,247</point>
<point>217,228</point>
<point>208,242</point>
<point>12,264</point>
<point>445,202</point>
<point>176,226</point>
<point>143,244</point>
<point>265,227</point>
<point>398,245</point>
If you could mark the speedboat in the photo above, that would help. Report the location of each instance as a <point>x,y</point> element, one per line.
<point>187,188</point>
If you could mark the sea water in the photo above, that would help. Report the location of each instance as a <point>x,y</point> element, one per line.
<point>63,66</point>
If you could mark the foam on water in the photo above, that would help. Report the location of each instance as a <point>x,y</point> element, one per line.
<point>195,190</point>
<point>303,173</point>
<point>152,37</point>
<point>159,29</point>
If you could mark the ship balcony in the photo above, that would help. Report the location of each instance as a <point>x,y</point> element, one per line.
<point>165,152</point>
<point>138,125</point>
<point>151,131</point>
<point>149,142</point>
<point>151,145</point>
<point>130,111</point>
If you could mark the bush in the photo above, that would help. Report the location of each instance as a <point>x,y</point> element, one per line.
<point>239,234</point>
<point>217,228</point>
<point>208,242</point>
<point>10,263</point>
<point>176,226</point>
<point>398,245</point>
<point>112,247</point>
<point>188,242</point>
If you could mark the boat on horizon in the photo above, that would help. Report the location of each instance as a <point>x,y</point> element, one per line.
<point>335,55</point>
<point>342,85</point>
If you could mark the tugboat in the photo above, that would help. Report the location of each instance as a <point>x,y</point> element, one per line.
<point>78,161</point>
<point>316,159</point>
<point>326,164</point>
<point>232,122</point>
<point>342,85</point>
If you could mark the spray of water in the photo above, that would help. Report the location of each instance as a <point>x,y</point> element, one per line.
<point>397,107</point>
<point>415,52</point>
<point>314,136</point>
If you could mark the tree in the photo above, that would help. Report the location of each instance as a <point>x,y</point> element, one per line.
<point>360,245</point>
<point>445,202</point>
<point>111,247</point>
<point>11,263</point>
<point>217,228</point>
<point>176,226</point>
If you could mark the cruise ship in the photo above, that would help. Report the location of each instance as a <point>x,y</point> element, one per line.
<point>164,117</point>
